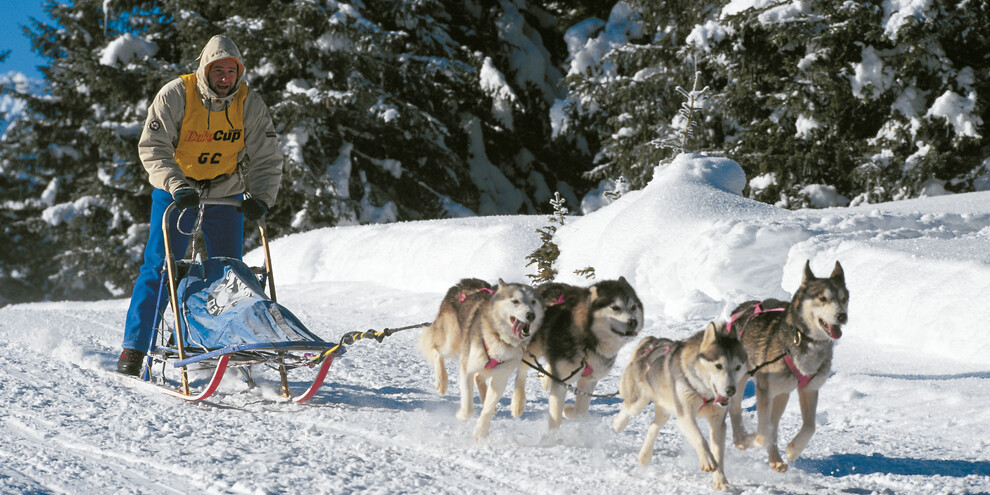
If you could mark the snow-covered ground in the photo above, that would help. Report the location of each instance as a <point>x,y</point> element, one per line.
<point>904,411</point>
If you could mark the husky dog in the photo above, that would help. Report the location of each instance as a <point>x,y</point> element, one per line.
<point>690,378</point>
<point>789,347</point>
<point>579,340</point>
<point>487,327</point>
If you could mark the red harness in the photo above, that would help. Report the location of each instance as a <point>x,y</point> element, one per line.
<point>802,379</point>
<point>463,296</point>
<point>757,309</point>
<point>492,362</point>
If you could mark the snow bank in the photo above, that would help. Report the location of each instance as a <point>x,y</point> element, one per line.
<point>694,248</point>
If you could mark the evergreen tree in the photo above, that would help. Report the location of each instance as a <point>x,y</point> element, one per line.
<point>386,111</point>
<point>878,103</point>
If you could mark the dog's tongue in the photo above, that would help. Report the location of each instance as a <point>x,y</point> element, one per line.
<point>517,328</point>
<point>835,331</point>
<point>722,401</point>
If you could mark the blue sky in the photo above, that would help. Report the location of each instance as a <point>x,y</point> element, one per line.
<point>17,13</point>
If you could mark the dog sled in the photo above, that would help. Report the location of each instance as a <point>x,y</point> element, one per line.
<point>219,316</point>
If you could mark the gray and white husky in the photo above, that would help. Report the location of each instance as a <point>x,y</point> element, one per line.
<point>487,327</point>
<point>790,347</point>
<point>579,341</point>
<point>689,378</point>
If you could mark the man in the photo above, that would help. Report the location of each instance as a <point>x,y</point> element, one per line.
<point>206,136</point>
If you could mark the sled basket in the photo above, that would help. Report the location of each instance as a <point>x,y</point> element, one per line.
<point>224,304</point>
<point>222,317</point>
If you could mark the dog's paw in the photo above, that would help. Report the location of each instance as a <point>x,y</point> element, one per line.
<point>719,482</point>
<point>480,433</point>
<point>571,412</point>
<point>708,464</point>
<point>620,422</point>
<point>743,441</point>
<point>464,415</point>
<point>779,466</point>
<point>645,456</point>
<point>758,441</point>
<point>440,386</point>
<point>794,450</point>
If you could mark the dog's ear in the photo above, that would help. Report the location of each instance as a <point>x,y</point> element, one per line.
<point>837,274</point>
<point>808,274</point>
<point>711,333</point>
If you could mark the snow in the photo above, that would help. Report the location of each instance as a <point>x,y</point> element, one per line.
<point>958,111</point>
<point>903,411</point>
<point>126,48</point>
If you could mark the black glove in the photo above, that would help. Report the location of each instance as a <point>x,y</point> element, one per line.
<point>186,197</point>
<point>253,209</point>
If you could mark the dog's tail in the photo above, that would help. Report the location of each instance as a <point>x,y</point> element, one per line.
<point>639,366</point>
<point>433,339</point>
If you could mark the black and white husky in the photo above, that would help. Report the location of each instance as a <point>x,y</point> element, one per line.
<point>579,340</point>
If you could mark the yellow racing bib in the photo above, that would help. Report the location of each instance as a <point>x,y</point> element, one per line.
<point>209,144</point>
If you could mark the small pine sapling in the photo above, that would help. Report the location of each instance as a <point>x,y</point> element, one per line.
<point>587,272</point>
<point>689,108</point>
<point>616,193</point>
<point>546,255</point>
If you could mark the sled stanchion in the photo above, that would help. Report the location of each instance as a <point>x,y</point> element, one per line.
<point>284,380</point>
<point>269,272</point>
<point>174,295</point>
<point>270,277</point>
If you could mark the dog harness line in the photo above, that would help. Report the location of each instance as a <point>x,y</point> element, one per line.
<point>757,309</point>
<point>483,289</point>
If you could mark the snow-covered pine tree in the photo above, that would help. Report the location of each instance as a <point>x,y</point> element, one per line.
<point>878,103</point>
<point>875,101</point>
<point>623,76</point>
<point>72,156</point>
<point>386,110</point>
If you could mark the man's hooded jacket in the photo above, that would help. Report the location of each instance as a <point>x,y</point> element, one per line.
<point>258,168</point>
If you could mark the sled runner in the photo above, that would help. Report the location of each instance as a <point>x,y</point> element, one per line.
<point>222,318</point>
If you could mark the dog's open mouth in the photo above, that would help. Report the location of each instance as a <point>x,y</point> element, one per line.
<point>834,331</point>
<point>519,328</point>
<point>722,401</point>
<point>624,333</point>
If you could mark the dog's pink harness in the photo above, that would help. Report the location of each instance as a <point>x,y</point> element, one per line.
<point>486,290</point>
<point>758,309</point>
<point>802,379</point>
<point>492,362</point>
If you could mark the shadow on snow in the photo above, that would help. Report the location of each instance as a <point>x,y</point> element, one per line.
<point>839,465</point>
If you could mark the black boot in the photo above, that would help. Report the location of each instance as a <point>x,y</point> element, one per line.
<point>130,362</point>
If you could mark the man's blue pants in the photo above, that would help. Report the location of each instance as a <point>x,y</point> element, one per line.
<point>223,234</point>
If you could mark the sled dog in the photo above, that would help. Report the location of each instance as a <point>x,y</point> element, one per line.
<point>580,337</point>
<point>790,347</point>
<point>689,378</point>
<point>487,327</point>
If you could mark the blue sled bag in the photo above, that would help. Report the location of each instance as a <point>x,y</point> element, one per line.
<point>224,304</point>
